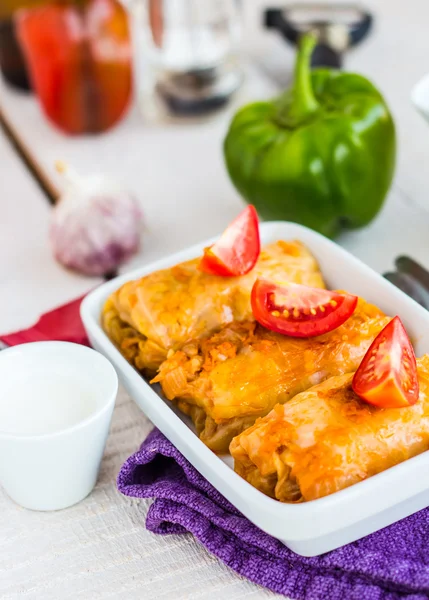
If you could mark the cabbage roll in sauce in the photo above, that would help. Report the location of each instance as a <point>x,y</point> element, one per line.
<point>326,439</point>
<point>162,311</point>
<point>228,380</point>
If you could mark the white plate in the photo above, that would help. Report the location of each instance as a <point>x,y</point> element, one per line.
<point>314,527</point>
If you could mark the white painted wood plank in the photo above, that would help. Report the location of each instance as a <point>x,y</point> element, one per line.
<point>100,549</point>
<point>394,56</point>
<point>31,282</point>
<point>401,228</point>
<point>175,170</point>
<point>100,546</point>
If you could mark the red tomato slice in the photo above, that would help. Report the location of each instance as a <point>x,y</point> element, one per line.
<point>299,310</point>
<point>238,248</point>
<point>387,375</point>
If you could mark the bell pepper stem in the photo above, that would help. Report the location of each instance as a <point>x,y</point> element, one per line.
<point>301,104</point>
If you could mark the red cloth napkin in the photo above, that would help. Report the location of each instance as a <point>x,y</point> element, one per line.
<point>61,324</point>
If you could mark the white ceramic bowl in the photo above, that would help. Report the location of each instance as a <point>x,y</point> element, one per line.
<point>56,403</point>
<point>314,527</point>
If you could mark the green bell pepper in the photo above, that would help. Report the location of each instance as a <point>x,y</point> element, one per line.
<point>322,154</point>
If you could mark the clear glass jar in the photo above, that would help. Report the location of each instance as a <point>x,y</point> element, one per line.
<point>186,55</point>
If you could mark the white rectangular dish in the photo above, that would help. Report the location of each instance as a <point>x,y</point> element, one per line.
<point>318,526</point>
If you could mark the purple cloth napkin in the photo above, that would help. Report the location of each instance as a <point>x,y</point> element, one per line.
<point>392,564</point>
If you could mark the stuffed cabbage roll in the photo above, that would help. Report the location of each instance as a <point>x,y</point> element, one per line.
<point>326,439</point>
<point>224,382</point>
<point>161,311</point>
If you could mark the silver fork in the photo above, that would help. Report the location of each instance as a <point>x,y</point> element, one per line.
<point>411,278</point>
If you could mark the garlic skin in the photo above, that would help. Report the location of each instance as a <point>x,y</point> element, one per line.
<point>96,224</point>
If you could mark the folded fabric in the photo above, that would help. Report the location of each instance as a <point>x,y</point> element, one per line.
<point>392,564</point>
<point>61,324</point>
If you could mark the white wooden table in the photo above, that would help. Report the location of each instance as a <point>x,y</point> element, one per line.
<point>100,548</point>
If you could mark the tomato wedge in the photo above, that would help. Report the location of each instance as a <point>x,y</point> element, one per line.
<point>387,375</point>
<point>299,310</point>
<point>238,248</point>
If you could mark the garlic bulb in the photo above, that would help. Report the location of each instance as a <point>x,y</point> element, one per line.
<point>96,224</point>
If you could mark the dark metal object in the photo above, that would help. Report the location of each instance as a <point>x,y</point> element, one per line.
<point>338,27</point>
<point>411,278</point>
<point>12,63</point>
<point>199,91</point>
<point>410,267</point>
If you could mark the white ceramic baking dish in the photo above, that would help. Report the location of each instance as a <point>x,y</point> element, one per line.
<point>318,526</point>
